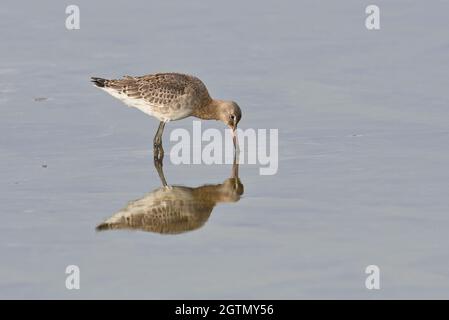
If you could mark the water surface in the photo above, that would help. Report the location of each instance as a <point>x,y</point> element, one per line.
<point>363,160</point>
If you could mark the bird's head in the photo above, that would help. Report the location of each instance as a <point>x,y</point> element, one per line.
<point>230,114</point>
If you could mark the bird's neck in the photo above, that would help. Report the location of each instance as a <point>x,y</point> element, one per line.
<point>209,193</point>
<point>208,111</point>
<point>225,192</point>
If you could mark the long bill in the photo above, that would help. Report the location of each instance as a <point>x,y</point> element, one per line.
<point>234,138</point>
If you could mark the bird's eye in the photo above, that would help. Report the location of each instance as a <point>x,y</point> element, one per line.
<point>232,117</point>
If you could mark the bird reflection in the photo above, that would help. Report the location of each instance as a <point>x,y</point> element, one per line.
<point>175,209</point>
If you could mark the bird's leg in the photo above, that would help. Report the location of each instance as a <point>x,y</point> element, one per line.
<point>158,151</point>
<point>160,171</point>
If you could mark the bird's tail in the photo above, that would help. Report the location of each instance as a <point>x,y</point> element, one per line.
<point>99,82</point>
<point>103,226</point>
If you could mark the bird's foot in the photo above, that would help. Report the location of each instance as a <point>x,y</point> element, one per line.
<point>158,153</point>
<point>158,165</point>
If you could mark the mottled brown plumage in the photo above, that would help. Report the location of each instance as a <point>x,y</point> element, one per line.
<point>169,97</point>
<point>175,209</point>
<point>165,94</point>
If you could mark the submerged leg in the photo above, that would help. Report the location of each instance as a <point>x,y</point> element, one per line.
<point>157,142</point>
<point>160,171</point>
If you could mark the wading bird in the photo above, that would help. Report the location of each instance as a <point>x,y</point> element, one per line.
<point>169,97</point>
<point>175,209</point>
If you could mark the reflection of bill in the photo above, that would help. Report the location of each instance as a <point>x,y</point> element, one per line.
<point>209,146</point>
<point>175,209</point>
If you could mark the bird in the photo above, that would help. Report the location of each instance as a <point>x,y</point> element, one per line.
<point>175,209</point>
<point>170,97</point>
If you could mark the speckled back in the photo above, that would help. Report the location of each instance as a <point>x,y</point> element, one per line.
<point>168,92</point>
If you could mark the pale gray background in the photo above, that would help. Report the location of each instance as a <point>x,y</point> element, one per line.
<point>363,124</point>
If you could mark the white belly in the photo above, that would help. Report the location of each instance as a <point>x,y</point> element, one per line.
<point>148,108</point>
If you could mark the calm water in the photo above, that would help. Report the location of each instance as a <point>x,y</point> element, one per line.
<point>363,160</point>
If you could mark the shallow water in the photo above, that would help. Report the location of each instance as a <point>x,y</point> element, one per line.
<point>363,135</point>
